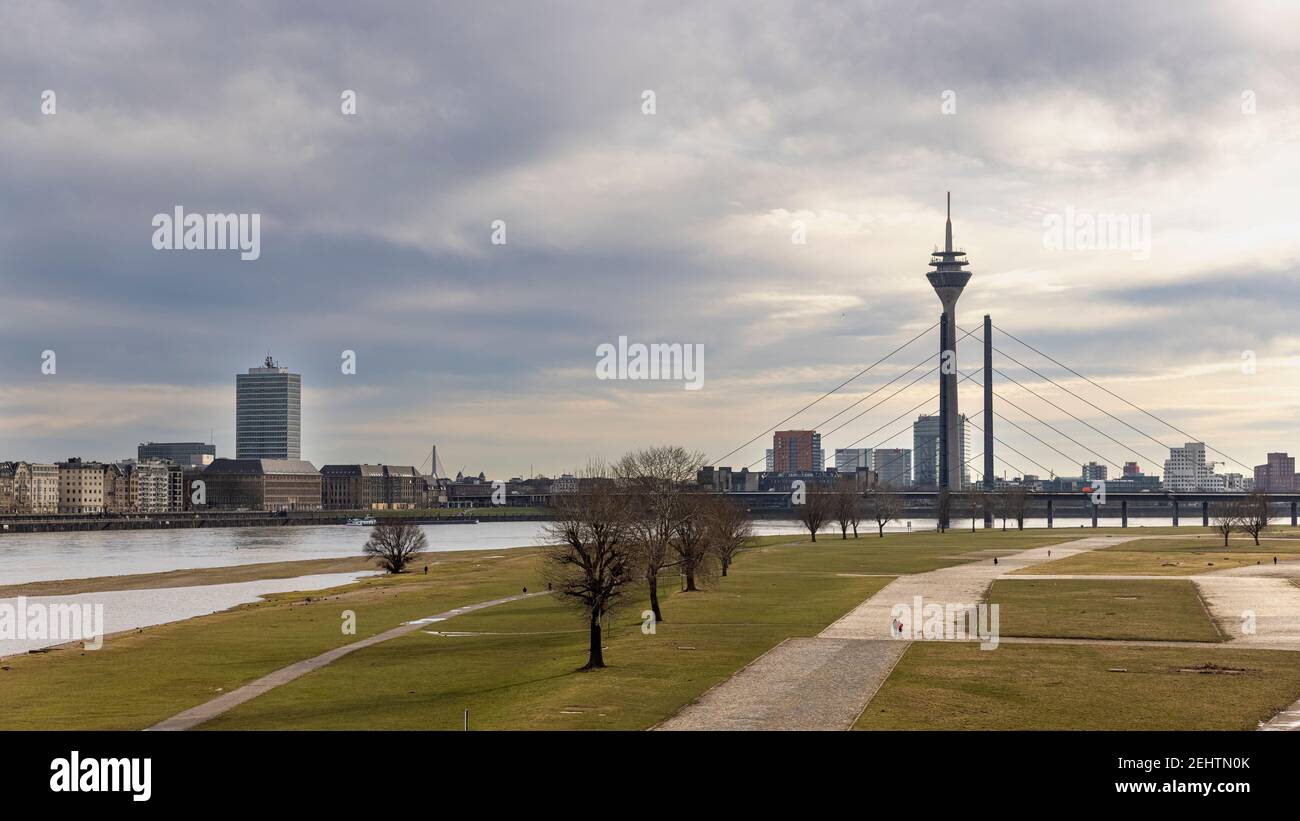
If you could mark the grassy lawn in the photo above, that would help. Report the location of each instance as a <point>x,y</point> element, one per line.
<point>957,686</point>
<point>139,678</point>
<point>1140,609</point>
<point>1170,557</point>
<point>779,588</point>
<point>520,673</point>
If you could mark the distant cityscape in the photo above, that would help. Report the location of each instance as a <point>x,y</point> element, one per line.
<point>268,473</point>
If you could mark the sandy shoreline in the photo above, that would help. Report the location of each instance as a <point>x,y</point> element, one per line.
<point>203,576</point>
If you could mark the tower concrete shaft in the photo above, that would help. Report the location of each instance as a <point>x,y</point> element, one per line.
<point>948,279</point>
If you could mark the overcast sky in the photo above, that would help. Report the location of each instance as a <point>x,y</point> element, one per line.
<point>676,226</point>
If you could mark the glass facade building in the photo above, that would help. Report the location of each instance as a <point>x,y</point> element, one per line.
<point>268,413</point>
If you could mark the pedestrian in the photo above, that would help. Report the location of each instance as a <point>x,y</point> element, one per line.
<point>525,591</point>
<point>426,570</point>
<point>995,559</point>
<point>548,587</point>
<point>1275,560</point>
<point>1049,552</point>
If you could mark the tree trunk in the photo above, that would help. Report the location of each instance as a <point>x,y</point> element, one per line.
<point>595,656</point>
<point>855,530</point>
<point>690,581</point>
<point>844,531</point>
<point>653,581</point>
<point>882,530</point>
<point>725,563</point>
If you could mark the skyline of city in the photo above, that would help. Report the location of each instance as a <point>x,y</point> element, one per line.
<point>1186,319</point>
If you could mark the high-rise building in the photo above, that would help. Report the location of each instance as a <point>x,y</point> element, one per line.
<point>1093,472</point>
<point>851,460</point>
<point>1186,470</point>
<point>925,452</point>
<point>1131,470</point>
<point>797,451</point>
<point>1277,475</point>
<point>268,413</point>
<point>185,454</point>
<point>893,466</point>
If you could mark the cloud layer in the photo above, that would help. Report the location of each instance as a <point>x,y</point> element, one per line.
<point>676,227</point>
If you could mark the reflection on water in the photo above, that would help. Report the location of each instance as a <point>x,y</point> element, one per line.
<point>129,609</point>
<point>42,556</point>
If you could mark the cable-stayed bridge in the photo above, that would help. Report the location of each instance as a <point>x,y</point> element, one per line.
<point>1135,437</point>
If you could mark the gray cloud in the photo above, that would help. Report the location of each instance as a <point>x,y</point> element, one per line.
<point>667,228</point>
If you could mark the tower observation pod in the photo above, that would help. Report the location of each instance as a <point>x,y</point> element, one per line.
<point>948,279</point>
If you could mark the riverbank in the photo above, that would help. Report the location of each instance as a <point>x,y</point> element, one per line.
<point>69,523</point>
<point>195,577</point>
<point>515,666</point>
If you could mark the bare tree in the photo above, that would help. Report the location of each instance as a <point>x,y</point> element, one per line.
<point>1255,514</point>
<point>1017,503</point>
<point>884,507</point>
<point>943,509</point>
<point>729,527</point>
<point>973,503</point>
<point>846,507</point>
<point>816,508</point>
<point>394,544</point>
<point>589,562</point>
<point>657,478</point>
<point>1225,517</point>
<point>690,542</point>
<point>998,503</point>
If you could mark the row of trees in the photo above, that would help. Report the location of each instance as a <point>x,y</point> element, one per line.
<point>632,522</point>
<point>843,504</point>
<point>1248,515</point>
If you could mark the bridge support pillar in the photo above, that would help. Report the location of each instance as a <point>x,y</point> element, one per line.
<point>1049,511</point>
<point>1094,514</point>
<point>1123,512</point>
<point>1293,514</point>
<point>1205,514</point>
<point>1175,513</point>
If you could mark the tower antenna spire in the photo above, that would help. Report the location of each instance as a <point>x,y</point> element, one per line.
<point>947,232</point>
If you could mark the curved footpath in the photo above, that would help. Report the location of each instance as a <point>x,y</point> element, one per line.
<point>211,709</point>
<point>824,683</point>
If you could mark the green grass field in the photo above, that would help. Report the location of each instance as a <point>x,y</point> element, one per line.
<point>1141,609</point>
<point>518,667</point>
<point>957,686</point>
<point>1170,557</point>
<point>521,673</point>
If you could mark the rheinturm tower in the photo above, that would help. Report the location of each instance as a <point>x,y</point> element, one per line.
<point>948,279</point>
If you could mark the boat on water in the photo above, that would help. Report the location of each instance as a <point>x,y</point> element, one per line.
<point>368,521</point>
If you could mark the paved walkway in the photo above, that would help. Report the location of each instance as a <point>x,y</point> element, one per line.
<point>221,704</point>
<point>824,683</point>
<point>801,684</point>
<point>1287,720</point>
<point>963,583</point>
